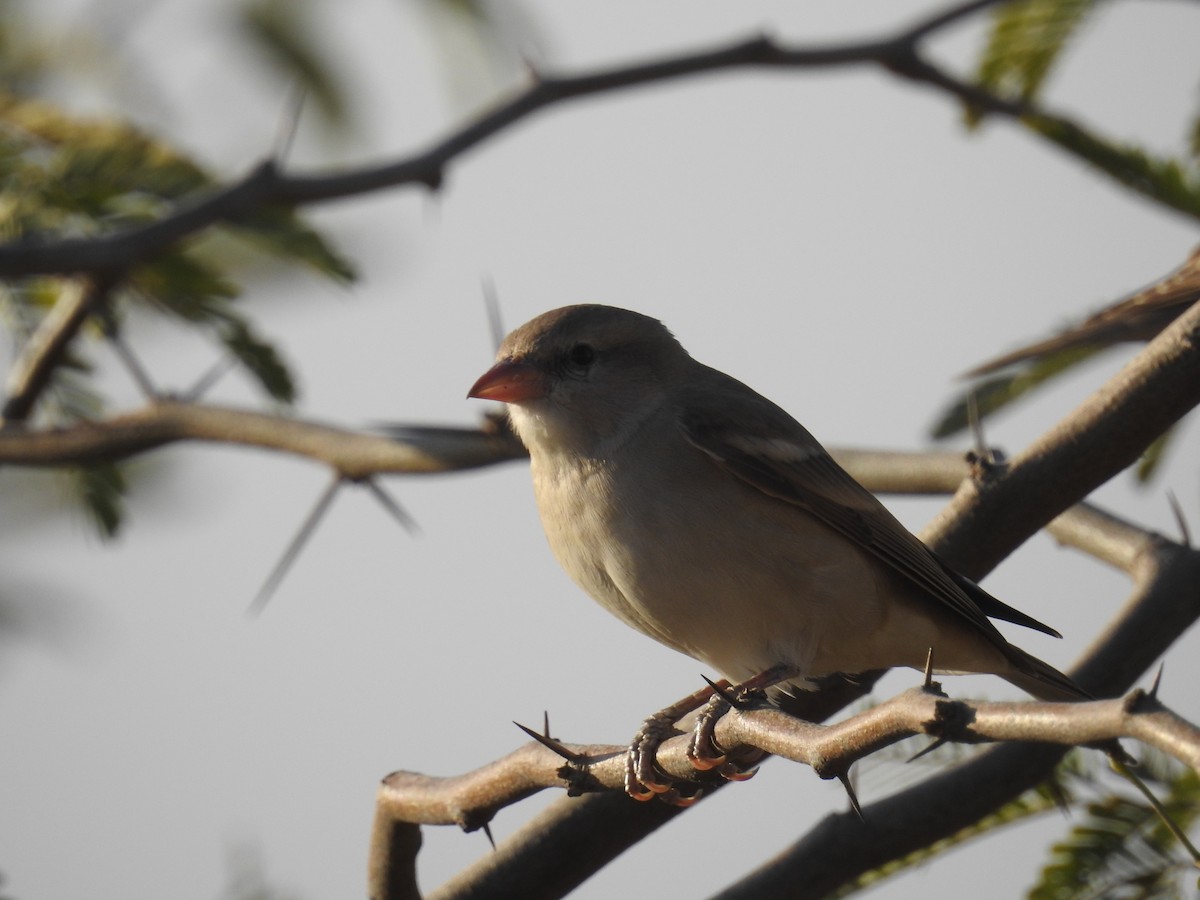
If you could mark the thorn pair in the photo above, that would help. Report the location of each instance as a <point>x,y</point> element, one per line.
<point>309,525</point>
<point>552,744</point>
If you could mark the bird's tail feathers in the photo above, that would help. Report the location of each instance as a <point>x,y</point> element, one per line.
<point>1041,679</point>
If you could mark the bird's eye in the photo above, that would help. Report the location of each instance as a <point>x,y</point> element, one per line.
<point>582,355</point>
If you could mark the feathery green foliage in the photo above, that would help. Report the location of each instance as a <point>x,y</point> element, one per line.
<point>1025,41</point>
<point>1175,183</point>
<point>997,392</point>
<point>1153,456</point>
<point>63,176</point>
<point>1120,849</point>
<point>283,34</point>
<point>1123,849</point>
<point>1047,797</point>
<point>280,232</point>
<point>190,288</point>
<point>101,488</point>
<point>260,359</point>
<point>67,176</point>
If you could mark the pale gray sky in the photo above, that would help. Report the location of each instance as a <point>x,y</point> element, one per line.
<point>834,239</point>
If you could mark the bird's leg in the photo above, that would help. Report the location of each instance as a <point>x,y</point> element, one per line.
<point>642,779</point>
<point>704,751</point>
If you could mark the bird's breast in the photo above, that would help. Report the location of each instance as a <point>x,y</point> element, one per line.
<point>721,573</point>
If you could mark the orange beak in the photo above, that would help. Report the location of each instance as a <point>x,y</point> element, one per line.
<point>511,382</point>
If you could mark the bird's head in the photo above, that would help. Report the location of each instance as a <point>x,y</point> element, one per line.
<point>583,376</point>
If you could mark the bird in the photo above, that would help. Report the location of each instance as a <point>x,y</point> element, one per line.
<point>703,515</point>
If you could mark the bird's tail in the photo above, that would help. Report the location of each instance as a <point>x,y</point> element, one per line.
<point>1041,679</point>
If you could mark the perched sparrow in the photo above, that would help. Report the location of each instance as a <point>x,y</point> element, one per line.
<point>703,515</point>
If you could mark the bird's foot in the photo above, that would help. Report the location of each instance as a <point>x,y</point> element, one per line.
<point>704,751</point>
<point>643,780</point>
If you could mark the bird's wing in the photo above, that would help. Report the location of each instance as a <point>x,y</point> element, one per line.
<point>771,451</point>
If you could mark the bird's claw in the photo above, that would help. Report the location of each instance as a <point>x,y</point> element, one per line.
<point>642,778</point>
<point>676,798</point>
<point>645,781</point>
<point>731,771</point>
<point>703,750</point>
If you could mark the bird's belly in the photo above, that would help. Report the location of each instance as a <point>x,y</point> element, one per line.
<point>727,595</point>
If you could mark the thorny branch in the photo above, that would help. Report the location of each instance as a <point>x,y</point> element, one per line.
<point>351,454</point>
<point>1150,394</point>
<point>46,347</point>
<point>470,800</point>
<point>266,185</point>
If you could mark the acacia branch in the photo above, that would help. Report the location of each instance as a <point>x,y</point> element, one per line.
<point>46,348</point>
<point>267,186</point>
<point>351,454</point>
<point>471,800</point>
<point>1104,435</point>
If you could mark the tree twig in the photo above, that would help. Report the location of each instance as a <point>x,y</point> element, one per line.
<point>1149,395</point>
<point>45,349</point>
<point>352,454</point>
<point>470,800</point>
<point>266,185</point>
